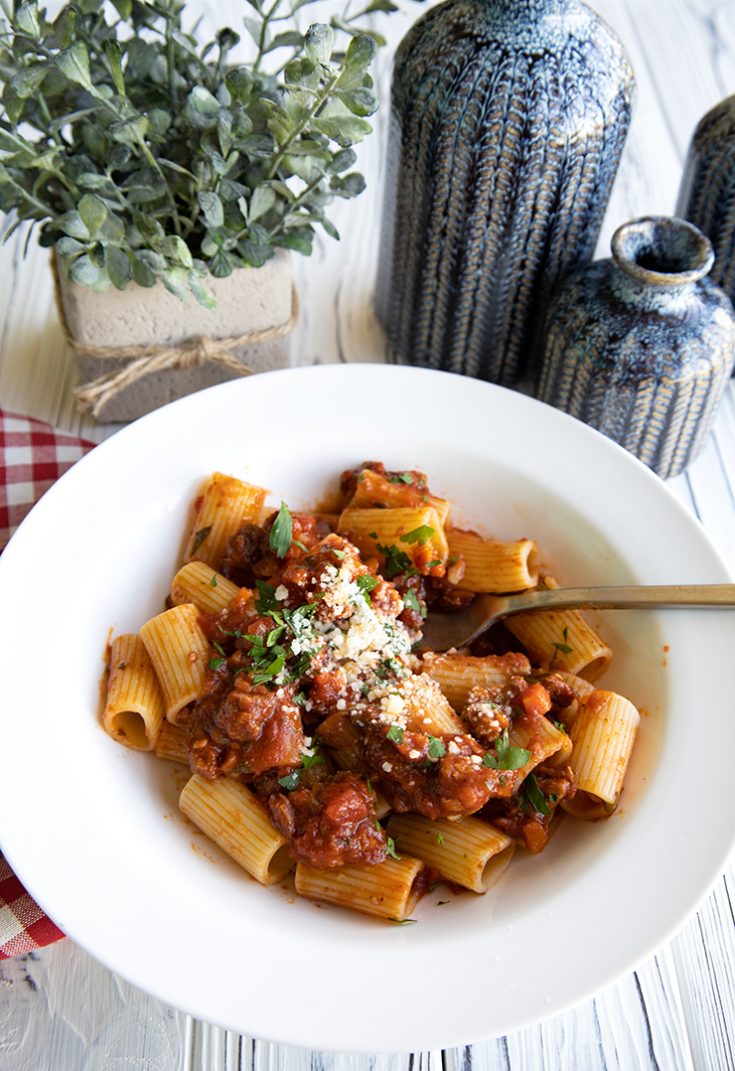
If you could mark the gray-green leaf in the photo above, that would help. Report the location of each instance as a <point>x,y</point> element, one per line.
<point>26,19</point>
<point>74,64</point>
<point>118,266</point>
<point>319,43</point>
<point>93,212</point>
<point>211,206</point>
<point>262,201</point>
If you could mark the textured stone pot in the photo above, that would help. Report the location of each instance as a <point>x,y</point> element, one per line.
<point>249,300</point>
<point>707,195</point>
<point>508,121</point>
<point>641,346</point>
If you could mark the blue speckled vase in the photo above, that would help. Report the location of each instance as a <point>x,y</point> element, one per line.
<point>707,195</point>
<point>641,346</point>
<point>507,124</point>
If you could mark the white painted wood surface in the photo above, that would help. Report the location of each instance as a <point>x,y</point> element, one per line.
<point>60,1010</point>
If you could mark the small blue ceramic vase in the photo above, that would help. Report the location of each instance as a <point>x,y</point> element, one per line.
<point>641,346</point>
<point>508,118</point>
<point>707,196</point>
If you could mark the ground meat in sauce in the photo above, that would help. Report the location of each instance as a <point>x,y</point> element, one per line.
<point>484,716</point>
<point>451,786</point>
<point>525,825</point>
<point>248,556</point>
<point>330,824</point>
<point>244,728</point>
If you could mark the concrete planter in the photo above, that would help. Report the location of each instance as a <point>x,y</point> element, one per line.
<point>249,301</point>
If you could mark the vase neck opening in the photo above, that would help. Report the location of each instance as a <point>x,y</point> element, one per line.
<point>526,9</point>
<point>662,252</point>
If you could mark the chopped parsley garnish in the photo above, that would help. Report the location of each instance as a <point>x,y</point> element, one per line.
<point>410,599</point>
<point>505,757</point>
<point>290,781</point>
<point>433,563</point>
<point>420,535</point>
<point>533,795</point>
<point>282,532</point>
<point>266,597</point>
<point>213,581</point>
<point>270,670</point>
<point>390,849</point>
<point>564,647</point>
<point>395,733</point>
<point>317,759</point>
<point>396,561</point>
<point>560,726</point>
<point>367,583</point>
<point>436,748</point>
<point>199,538</point>
<point>216,663</point>
<point>440,839</point>
<point>401,477</point>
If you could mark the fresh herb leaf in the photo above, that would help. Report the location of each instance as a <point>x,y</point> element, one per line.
<point>436,749</point>
<point>396,561</point>
<point>506,757</point>
<point>216,663</point>
<point>410,599</point>
<point>433,563</point>
<point>266,600</point>
<point>440,839</point>
<point>420,535</point>
<point>317,759</point>
<point>390,849</point>
<point>281,532</point>
<point>213,581</point>
<point>401,922</point>
<point>395,733</point>
<point>301,546</point>
<point>534,796</point>
<point>199,538</point>
<point>367,583</point>
<point>401,477</point>
<point>290,781</point>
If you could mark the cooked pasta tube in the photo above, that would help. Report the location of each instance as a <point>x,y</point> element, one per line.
<point>224,504</point>
<point>231,816</point>
<point>470,853</point>
<point>603,735</point>
<point>172,743</point>
<point>374,489</point>
<point>562,640</point>
<point>425,709</point>
<point>416,534</point>
<point>179,651</point>
<point>200,584</point>
<point>389,890</point>
<point>552,744</point>
<point>493,565</point>
<point>458,674</point>
<point>134,706</point>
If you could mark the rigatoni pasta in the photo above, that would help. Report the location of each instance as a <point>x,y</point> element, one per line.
<point>134,707</point>
<point>283,673</point>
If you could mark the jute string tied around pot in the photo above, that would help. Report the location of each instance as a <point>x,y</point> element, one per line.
<point>145,360</point>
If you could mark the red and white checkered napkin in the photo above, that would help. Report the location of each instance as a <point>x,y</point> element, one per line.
<point>32,456</point>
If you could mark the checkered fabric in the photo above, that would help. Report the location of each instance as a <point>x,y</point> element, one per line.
<point>32,456</point>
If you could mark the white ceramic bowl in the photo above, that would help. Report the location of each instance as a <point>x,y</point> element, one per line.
<point>93,830</point>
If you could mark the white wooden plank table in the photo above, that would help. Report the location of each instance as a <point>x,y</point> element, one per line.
<point>59,1009</point>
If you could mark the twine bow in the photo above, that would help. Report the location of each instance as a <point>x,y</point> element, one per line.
<point>145,360</point>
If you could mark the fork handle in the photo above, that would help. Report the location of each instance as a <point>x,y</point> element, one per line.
<point>625,598</point>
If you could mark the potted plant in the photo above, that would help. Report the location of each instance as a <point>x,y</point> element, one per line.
<point>172,179</point>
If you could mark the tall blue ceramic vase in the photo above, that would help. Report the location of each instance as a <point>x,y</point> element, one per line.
<point>507,124</point>
<point>707,195</point>
<point>641,346</point>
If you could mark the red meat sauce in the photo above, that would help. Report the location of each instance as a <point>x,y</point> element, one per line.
<point>275,737</point>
